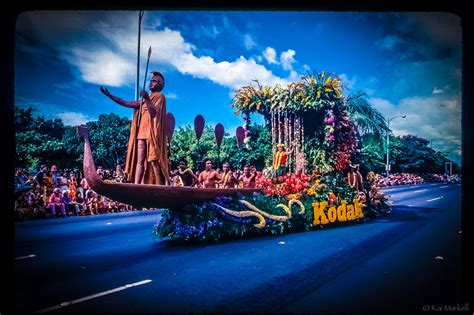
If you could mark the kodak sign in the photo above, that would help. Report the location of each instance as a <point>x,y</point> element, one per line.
<point>343,212</point>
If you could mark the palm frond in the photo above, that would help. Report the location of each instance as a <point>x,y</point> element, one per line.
<point>367,118</point>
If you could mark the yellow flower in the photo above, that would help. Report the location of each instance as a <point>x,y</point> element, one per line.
<point>327,90</point>
<point>328,80</point>
<point>238,111</point>
<point>319,93</point>
<point>311,191</point>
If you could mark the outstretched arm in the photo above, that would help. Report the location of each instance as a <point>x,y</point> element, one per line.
<point>131,104</point>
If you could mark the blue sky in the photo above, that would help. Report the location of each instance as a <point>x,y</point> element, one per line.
<point>407,63</point>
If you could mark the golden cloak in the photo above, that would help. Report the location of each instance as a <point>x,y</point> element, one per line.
<point>156,144</point>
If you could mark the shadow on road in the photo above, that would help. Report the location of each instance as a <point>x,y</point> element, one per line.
<point>402,213</point>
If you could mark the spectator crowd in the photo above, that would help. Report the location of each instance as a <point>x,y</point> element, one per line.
<point>414,179</point>
<point>52,192</point>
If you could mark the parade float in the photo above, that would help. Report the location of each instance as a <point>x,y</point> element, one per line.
<point>320,186</point>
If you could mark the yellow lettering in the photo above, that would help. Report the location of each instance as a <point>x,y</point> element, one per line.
<point>341,211</point>
<point>350,212</point>
<point>358,209</point>
<point>332,215</point>
<point>318,211</point>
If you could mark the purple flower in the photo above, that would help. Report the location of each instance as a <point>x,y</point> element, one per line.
<point>331,138</point>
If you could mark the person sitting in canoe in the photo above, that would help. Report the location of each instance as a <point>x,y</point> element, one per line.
<point>185,174</point>
<point>209,177</point>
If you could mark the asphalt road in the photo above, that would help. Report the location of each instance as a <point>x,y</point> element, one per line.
<point>406,261</point>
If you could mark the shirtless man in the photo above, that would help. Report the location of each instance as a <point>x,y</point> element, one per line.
<point>228,179</point>
<point>248,177</point>
<point>185,174</point>
<point>208,177</point>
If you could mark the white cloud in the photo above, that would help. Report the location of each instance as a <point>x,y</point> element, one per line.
<point>306,67</point>
<point>171,96</point>
<point>109,57</point>
<point>169,48</point>
<point>150,21</point>
<point>437,91</point>
<point>270,55</point>
<point>73,118</point>
<point>249,42</point>
<point>53,110</point>
<point>441,90</point>
<point>102,67</point>
<point>286,59</point>
<point>229,74</point>
<point>346,81</point>
<point>426,118</point>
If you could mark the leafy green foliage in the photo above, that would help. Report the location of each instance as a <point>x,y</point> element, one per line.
<point>109,139</point>
<point>184,145</point>
<point>367,119</point>
<point>411,154</point>
<point>50,142</point>
<point>37,140</point>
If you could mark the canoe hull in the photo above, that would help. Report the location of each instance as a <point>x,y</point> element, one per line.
<point>159,196</point>
<point>150,196</point>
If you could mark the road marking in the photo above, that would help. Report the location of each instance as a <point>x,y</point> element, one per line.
<point>90,297</point>
<point>25,257</point>
<point>429,200</point>
<point>420,190</point>
<point>444,187</point>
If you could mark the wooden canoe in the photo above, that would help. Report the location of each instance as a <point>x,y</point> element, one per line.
<point>149,196</point>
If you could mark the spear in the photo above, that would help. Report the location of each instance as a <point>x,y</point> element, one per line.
<point>144,82</point>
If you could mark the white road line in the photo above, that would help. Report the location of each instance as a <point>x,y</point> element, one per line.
<point>444,187</point>
<point>25,257</point>
<point>90,297</point>
<point>429,200</point>
<point>420,190</point>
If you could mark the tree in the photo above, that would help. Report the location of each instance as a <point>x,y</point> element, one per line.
<point>411,154</point>
<point>184,145</point>
<point>256,152</point>
<point>41,141</point>
<point>37,140</point>
<point>369,121</point>
<point>109,139</point>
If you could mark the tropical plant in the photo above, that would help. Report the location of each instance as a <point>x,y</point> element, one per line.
<point>369,121</point>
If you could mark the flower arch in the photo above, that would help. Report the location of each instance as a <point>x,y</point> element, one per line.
<point>312,111</point>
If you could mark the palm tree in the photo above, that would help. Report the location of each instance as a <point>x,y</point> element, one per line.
<point>371,124</point>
